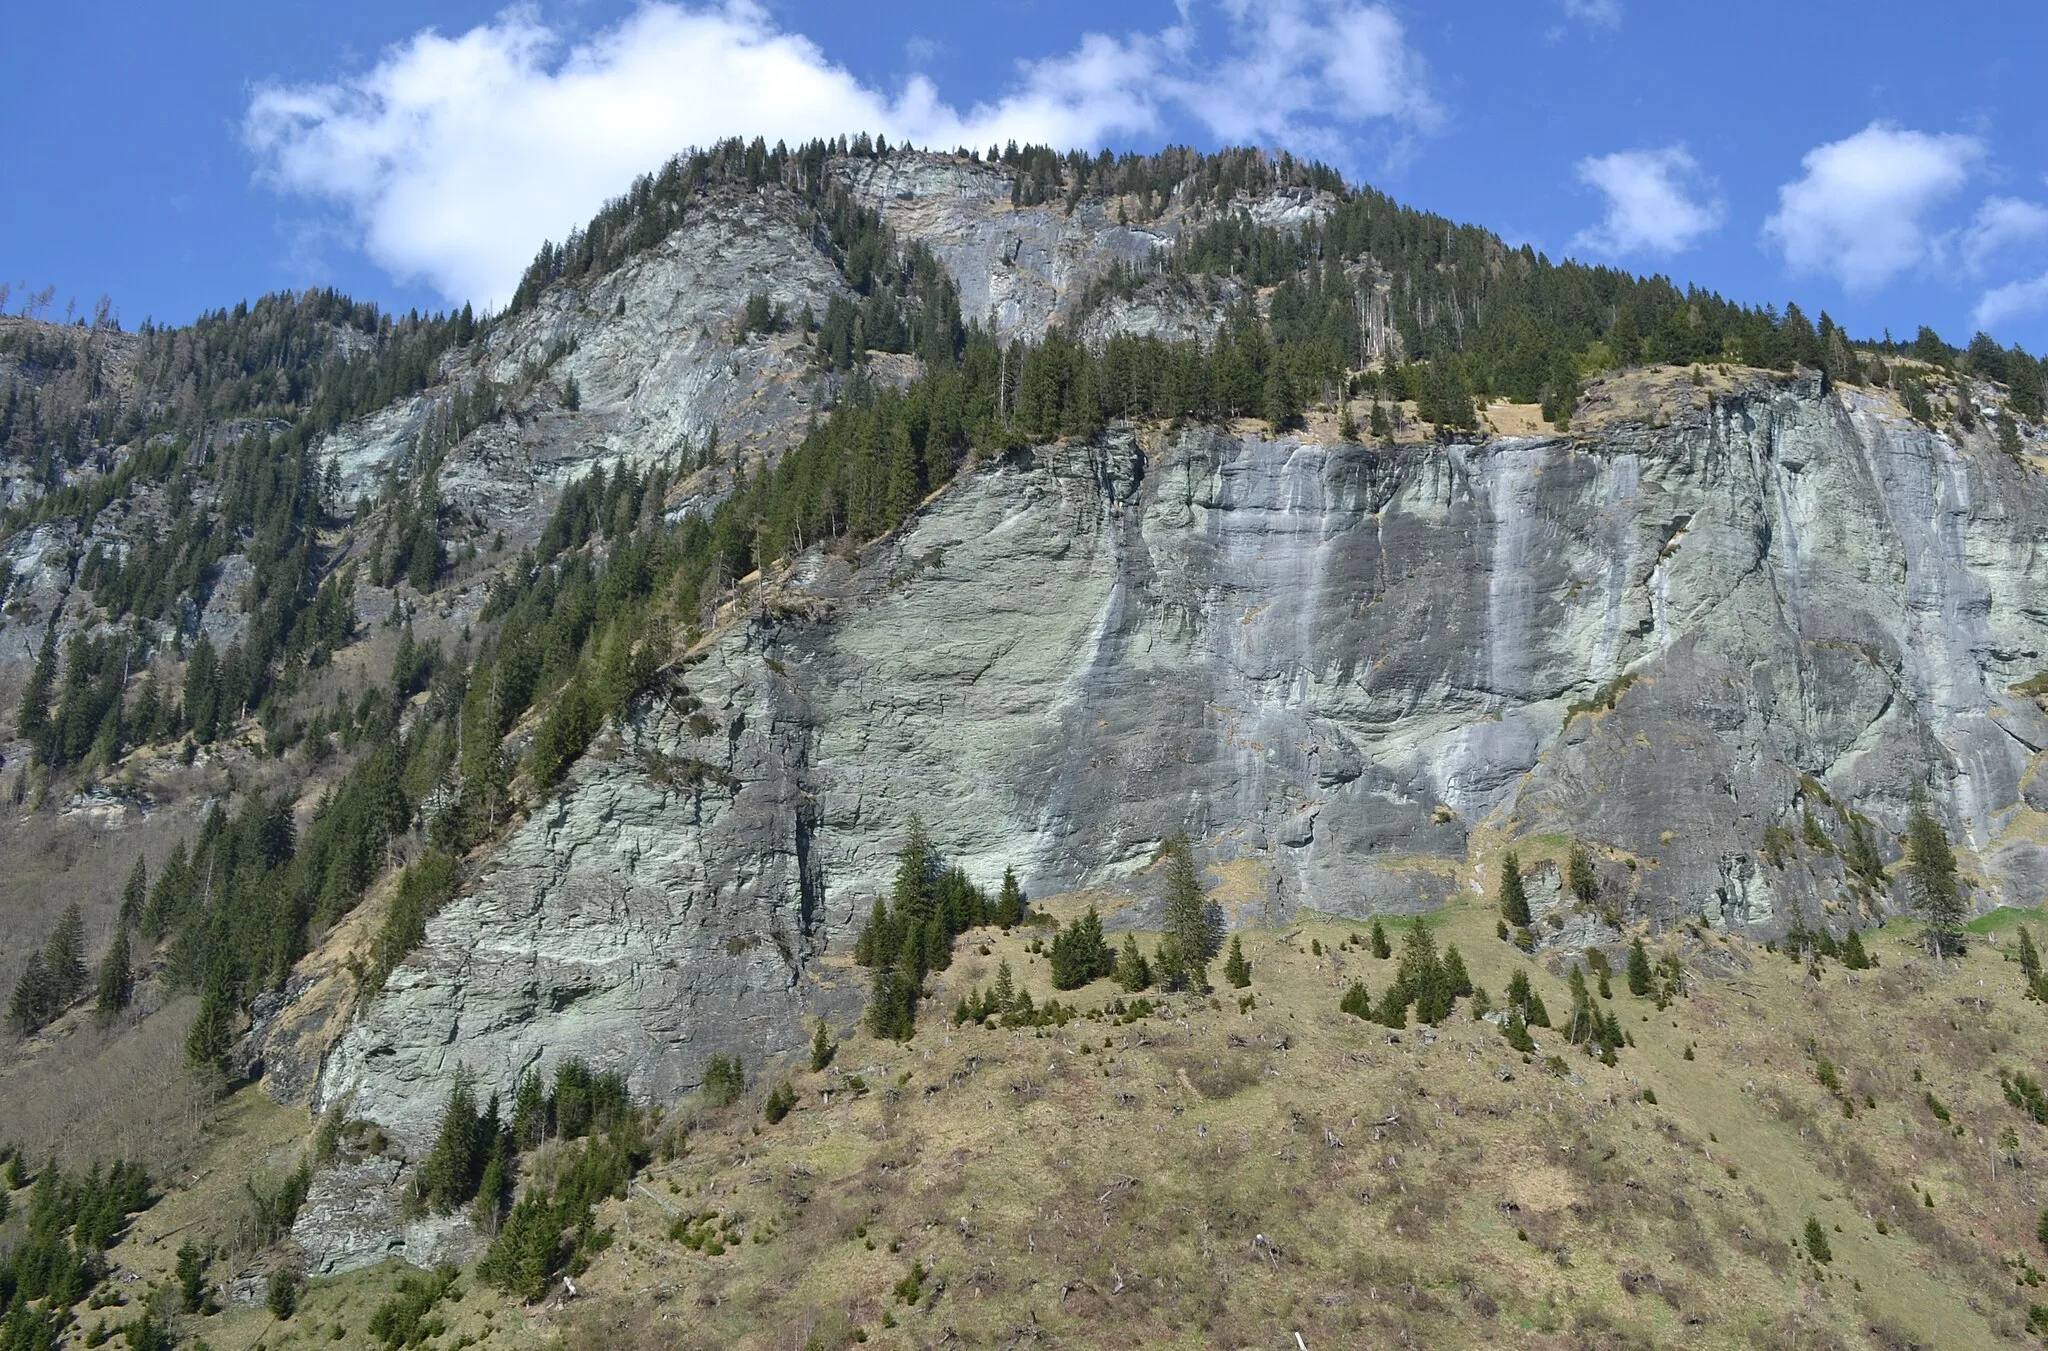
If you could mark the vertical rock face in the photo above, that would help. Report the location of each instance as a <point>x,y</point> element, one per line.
<point>1329,663</point>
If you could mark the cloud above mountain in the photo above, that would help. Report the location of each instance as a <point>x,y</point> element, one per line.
<point>1860,212</point>
<point>452,157</point>
<point>1658,202</point>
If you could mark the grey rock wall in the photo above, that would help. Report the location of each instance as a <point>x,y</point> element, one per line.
<point>1331,664</point>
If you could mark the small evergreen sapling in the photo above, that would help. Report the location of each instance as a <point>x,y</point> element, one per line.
<point>1356,1002</point>
<point>822,1047</point>
<point>1381,948</point>
<point>1132,972</point>
<point>1236,969</point>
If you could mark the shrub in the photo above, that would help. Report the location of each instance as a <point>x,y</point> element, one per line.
<point>2024,1092</point>
<point>1356,1001</point>
<point>779,1103</point>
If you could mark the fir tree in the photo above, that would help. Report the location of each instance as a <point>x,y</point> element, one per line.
<point>1010,904</point>
<point>29,1007</point>
<point>1817,1241</point>
<point>1456,979</point>
<point>1579,874</point>
<point>449,1175</point>
<point>1004,991</point>
<point>917,872</point>
<point>1860,852</point>
<point>1381,948</point>
<point>1356,1002</point>
<point>33,722</point>
<point>135,894</point>
<point>1640,977</point>
<point>1422,977</point>
<point>1236,969</point>
<point>1079,954</point>
<point>2030,956</point>
<point>212,1035</point>
<point>530,1124</point>
<point>1937,893</point>
<point>1514,900</point>
<point>1132,972</point>
<point>874,946</point>
<point>116,978</point>
<point>821,1047</point>
<point>1516,1030</point>
<point>1854,955</point>
<point>1190,937</point>
<point>64,959</point>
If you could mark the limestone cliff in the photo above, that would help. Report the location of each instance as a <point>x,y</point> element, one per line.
<point>1333,665</point>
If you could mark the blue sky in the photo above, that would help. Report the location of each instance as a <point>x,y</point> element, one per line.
<point>1883,161</point>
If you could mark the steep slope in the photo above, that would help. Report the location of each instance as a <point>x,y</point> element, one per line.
<point>1333,664</point>
<point>1722,622</point>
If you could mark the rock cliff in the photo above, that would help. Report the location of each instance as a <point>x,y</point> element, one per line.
<point>1725,611</point>
<point>1334,665</point>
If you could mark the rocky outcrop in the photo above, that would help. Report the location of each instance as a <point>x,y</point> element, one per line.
<point>1332,664</point>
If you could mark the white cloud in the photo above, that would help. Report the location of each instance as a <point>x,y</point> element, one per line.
<point>2002,223</point>
<point>1606,13</point>
<point>2015,300</point>
<point>1655,202</point>
<point>453,157</point>
<point>1859,213</point>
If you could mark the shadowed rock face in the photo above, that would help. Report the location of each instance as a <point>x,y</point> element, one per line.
<point>1328,663</point>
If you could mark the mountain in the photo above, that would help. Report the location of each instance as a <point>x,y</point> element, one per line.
<point>484,696</point>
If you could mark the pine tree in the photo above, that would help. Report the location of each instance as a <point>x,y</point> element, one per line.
<point>1079,954</point>
<point>1516,1030</point>
<point>1640,977</point>
<point>1190,937</point>
<point>1456,979</point>
<point>1937,892</point>
<point>1579,874</point>
<point>495,1185</point>
<point>135,894</point>
<point>1514,901</point>
<point>212,1035</point>
<point>917,872</point>
<point>29,1008</point>
<point>1236,969</point>
<point>821,1047</point>
<point>448,1176</point>
<point>1004,991</point>
<point>1422,976</point>
<point>530,1123</point>
<point>117,977</point>
<point>1010,904</point>
<point>64,958</point>
<point>2030,956</point>
<point>1356,1002</point>
<point>1860,852</point>
<point>1817,1241</point>
<point>874,946</point>
<point>1854,955</point>
<point>1381,948</point>
<point>33,722</point>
